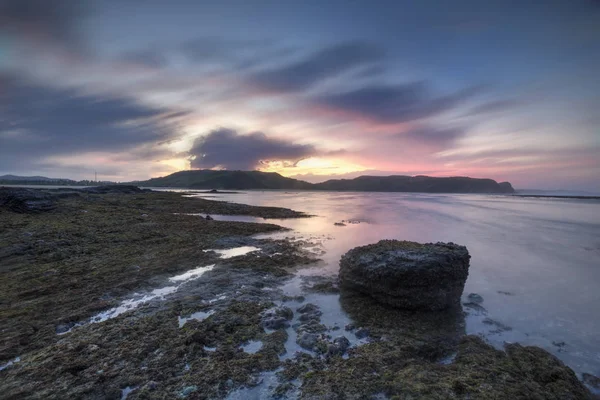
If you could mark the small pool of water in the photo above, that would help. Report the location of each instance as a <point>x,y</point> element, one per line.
<point>252,346</point>
<point>198,316</point>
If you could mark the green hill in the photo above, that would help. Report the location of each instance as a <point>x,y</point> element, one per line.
<point>210,179</point>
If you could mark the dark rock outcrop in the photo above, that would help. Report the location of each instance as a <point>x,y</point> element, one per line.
<point>22,200</point>
<point>120,189</point>
<point>407,275</point>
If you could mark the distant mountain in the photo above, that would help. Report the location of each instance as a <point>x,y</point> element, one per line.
<point>42,180</point>
<point>26,178</point>
<point>34,180</point>
<point>209,179</point>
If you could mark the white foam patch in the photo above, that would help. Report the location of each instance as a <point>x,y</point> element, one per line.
<point>130,304</point>
<point>198,316</point>
<point>236,251</point>
<point>192,274</point>
<point>221,297</point>
<point>139,299</point>
<point>8,364</point>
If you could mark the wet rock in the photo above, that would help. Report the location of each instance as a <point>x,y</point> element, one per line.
<point>479,310</point>
<point>311,316</point>
<point>407,275</point>
<point>591,380</point>
<point>362,333</point>
<point>311,326</point>
<point>341,343</point>
<point>209,218</point>
<point>499,326</point>
<point>475,298</point>
<point>321,284</point>
<point>350,327</point>
<point>275,323</point>
<point>505,293</point>
<point>276,318</point>
<point>279,311</point>
<point>307,340</point>
<point>186,391</point>
<point>307,308</point>
<point>559,345</point>
<point>299,299</point>
<point>64,328</point>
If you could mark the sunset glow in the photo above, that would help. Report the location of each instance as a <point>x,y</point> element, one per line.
<point>96,90</point>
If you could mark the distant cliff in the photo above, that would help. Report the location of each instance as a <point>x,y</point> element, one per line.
<point>426,184</point>
<point>209,179</point>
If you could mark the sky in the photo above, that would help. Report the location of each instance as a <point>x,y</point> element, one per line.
<point>133,89</point>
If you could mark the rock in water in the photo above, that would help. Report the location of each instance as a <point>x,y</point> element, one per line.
<point>408,275</point>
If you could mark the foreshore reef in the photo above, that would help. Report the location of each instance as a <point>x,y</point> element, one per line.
<point>118,292</point>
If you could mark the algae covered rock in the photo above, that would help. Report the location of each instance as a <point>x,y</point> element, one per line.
<point>407,275</point>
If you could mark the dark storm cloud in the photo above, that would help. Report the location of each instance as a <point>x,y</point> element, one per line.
<point>212,48</point>
<point>395,103</point>
<point>494,106</point>
<point>326,63</point>
<point>38,121</point>
<point>239,54</point>
<point>228,149</point>
<point>434,134</point>
<point>146,58</point>
<point>51,20</point>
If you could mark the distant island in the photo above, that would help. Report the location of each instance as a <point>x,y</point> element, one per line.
<point>248,180</point>
<point>43,180</point>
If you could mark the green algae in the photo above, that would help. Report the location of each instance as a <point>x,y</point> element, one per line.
<point>403,362</point>
<point>65,265</point>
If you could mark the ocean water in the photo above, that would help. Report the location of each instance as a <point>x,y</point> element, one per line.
<point>535,262</point>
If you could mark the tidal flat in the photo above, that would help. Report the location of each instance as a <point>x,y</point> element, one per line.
<point>130,295</point>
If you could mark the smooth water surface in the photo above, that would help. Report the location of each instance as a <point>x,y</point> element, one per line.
<point>536,262</point>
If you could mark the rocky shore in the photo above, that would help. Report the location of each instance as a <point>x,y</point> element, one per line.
<point>114,294</point>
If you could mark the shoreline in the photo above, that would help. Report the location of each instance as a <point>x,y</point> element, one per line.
<point>86,263</point>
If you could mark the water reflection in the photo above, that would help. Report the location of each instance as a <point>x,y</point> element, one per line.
<point>544,252</point>
<point>438,332</point>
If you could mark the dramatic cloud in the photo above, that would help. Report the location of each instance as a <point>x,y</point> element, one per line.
<point>225,148</point>
<point>43,19</point>
<point>326,63</point>
<point>494,106</point>
<point>147,58</point>
<point>431,136</point>
<point>39,121</point>
<point>394,104</point>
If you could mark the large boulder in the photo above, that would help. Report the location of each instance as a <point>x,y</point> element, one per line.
<point>407,275</point>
